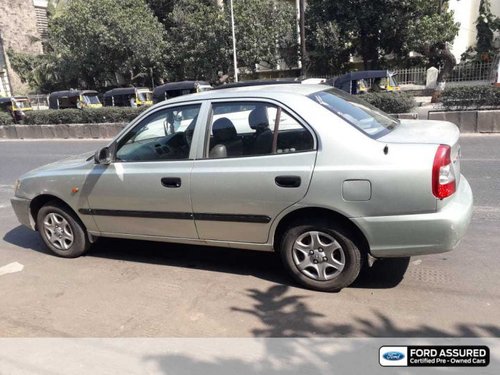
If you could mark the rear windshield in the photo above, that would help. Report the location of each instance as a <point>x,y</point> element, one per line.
<point>359,113</point>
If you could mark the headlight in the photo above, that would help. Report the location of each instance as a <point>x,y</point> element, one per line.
<point>17,186</point>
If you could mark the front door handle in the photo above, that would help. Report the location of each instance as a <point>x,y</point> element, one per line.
<point>288,181</point>
<point>171,182</point>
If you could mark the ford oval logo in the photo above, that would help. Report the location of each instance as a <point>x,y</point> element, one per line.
<point>393,356</point>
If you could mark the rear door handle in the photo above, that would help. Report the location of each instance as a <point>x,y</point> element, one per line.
<point>171,182</point>
<point>288,181</point>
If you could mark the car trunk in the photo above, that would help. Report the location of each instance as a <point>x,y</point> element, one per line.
<point>429,132</point>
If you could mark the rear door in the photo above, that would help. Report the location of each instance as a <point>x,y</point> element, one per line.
<point>258,160</point>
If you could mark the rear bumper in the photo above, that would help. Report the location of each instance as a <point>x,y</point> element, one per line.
<point>409,235</point>
<point>21,208</point>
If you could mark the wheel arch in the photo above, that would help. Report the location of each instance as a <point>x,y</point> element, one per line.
<point>41,200</point>
<point>352,230</point>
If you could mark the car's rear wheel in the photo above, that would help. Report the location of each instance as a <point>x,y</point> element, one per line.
<point>320,256</point>
<point>62,231</point>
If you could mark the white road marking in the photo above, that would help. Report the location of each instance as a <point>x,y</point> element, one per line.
<point>11,268</point>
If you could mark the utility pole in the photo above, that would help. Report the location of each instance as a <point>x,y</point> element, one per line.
<point>235,62</point>
<point>303,52</point>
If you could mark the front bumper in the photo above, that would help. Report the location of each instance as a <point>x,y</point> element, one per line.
<point>409,235</point>
<point>22,210</point>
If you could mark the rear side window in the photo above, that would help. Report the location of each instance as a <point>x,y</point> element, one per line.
<point>242,129</point>
<point>359,113</point>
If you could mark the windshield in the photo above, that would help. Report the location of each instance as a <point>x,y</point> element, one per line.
<point>145,96</point>
<point>21,103</point>
<point>392,81</point>
<point>91,99</point>
<point>359,113</point>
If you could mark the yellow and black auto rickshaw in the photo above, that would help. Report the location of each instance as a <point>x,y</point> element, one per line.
<point>16,106</point>
<point>128,97</point>
<point>367,80</point>
<point>173,89</point>
<point>74,99</point>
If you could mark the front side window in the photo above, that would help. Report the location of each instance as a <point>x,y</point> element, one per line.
<point>163,135</point>
<point>240,129</point>
<point>362,115</point>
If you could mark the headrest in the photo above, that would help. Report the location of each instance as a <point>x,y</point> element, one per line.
<point>258,119</point>
<point>223,130</point>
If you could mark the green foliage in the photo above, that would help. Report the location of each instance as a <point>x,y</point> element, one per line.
<point>390,102</point>
<point>471,97</point>
<point>100,40</point>
<point>198,42</point>
<point>265,32</point>
<point>486,25</point>
<point>85,116</point>
<point>6,119</point>
<point>373,29</point>
<point>94,43</point>
<point>42,72</point>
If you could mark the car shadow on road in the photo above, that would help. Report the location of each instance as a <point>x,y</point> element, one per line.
<point>282,313</point>
<point>265,265</point>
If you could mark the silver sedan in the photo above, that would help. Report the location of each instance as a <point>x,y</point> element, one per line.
<point>312,173</point>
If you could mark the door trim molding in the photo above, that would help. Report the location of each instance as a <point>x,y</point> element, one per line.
<point>260,219</point>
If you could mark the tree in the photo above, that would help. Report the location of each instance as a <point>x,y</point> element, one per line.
<point>374,29</point>
<point>101,41</point>
<point>198,43</point>
<point>162,10</point>
<point>95,44</point>
<point>266,32</point>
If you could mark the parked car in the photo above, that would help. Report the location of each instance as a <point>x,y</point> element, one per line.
<point>175,89</point>
<point>16,106</point>
<point>367,80</point>
<point>128,97</point>
<point>305,170</point>
<point>74,99</point>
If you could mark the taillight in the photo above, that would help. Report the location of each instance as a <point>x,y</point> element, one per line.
<point>443,175</point>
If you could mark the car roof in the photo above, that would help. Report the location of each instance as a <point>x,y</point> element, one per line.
<point>262,91</point>
<point>71,93</point>
<point>125,91</point>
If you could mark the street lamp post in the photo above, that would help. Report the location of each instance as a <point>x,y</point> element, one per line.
<point>235,63</point>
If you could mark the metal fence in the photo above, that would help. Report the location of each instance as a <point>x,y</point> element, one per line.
<point>478,71</point>
<point>475,71</point>
<point>411,76</point>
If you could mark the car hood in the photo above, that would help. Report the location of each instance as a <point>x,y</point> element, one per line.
<point>423,131</point>
<point>68,163</point>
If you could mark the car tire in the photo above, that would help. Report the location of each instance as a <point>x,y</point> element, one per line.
<point>62,231</point>
<point>320,256</point>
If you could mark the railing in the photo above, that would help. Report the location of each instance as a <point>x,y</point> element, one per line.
<point>475,71</point>
<point>411,76</point>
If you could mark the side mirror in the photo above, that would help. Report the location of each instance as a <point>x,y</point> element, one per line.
<point>102,156</point>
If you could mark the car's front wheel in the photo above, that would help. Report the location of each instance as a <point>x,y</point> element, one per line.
<point>62,231</point>
<point>320,256</point>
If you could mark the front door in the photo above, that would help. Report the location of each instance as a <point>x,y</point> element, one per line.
<point>146,191</point>
<point>258,160</point>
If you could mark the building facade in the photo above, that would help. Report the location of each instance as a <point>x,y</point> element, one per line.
<point>22,31</point>
<point>466,13</point>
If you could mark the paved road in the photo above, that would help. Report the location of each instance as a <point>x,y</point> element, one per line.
<point>132,288</point>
